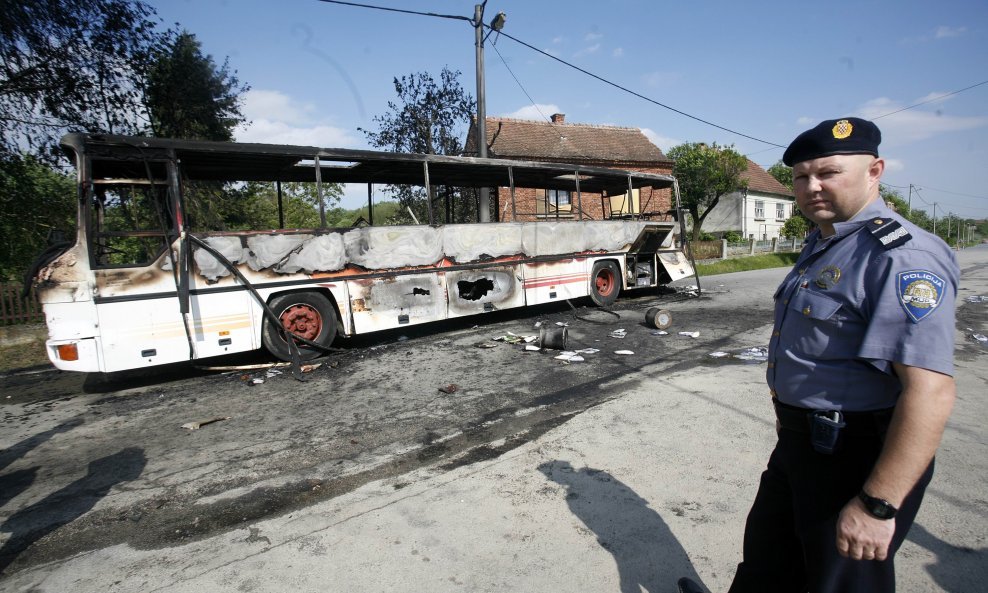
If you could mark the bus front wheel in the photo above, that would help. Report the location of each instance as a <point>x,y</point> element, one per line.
<point>308,315</point>
<point>605,283</point>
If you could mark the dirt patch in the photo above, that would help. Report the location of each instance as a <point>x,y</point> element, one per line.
<point>22,346</point>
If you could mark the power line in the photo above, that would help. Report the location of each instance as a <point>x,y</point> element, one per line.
<point>931,100</point>
<point>639,95</point>
<point>415,12</point>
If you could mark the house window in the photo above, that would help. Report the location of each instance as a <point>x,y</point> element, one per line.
<point>558,197</point>
<point>780,211</point>
<point>759,209</point>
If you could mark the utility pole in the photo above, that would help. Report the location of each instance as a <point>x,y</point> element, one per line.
<point>478,25</point>
<point>934,218</point>
<point>909,204</point>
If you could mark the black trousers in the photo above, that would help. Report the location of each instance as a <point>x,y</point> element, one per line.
<point>790,540</point>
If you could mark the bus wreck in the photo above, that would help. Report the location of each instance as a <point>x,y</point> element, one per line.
<point>140,286</point>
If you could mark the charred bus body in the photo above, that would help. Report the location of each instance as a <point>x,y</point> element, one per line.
<point>141,287</point>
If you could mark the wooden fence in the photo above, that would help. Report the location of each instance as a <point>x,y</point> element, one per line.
<point>16,308</point>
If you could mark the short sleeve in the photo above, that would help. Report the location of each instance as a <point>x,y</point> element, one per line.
<point>911,300</point>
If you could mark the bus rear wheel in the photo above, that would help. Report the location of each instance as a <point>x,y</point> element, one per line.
<point>308,315</point>
<point>605,283</point>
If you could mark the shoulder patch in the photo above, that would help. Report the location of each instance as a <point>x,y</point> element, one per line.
<point>920,292</point>
<point>888,232</point>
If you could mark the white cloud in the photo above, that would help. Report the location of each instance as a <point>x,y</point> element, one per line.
<point>593,36</point>
<point>557,40</point>
<point>943,32</point>
<point>617,52</point>
<point>894,165</point>
<point>587,50</point>
<point>915,124</point>
<point>662,142</point>
<point>539,111</point>
<point>659,79</point>
<point>277,118</point>
<point>806,121</point>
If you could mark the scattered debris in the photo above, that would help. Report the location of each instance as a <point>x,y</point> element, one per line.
<point>570,357</point>
<point>272,373</point>
<point>658,318</point>
<point>757,354</point>
<point>256,381</point>
<point>529,339</point>
<point>245,367</point>
<point>537,325</point>
<point>308,368</point>
<point>451,388</point>
<point>690,334</point>
<point>977,299</point>
<point>660,333</point>
<point>553,337</point>
<point>562,324</point>
<point>588,351</point>
<point>719,354</point>
<point>201,423</point>
<point>619,333</point>
<point>980,337</point>
<point>485,345</point>
<point>624,352</point>
<point>531,348</point>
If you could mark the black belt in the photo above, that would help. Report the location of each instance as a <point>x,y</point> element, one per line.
<point>862,423</point>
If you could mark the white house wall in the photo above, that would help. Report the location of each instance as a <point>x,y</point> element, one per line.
<point>736,212</point>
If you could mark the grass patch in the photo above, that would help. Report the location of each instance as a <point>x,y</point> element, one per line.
<point>22,346</point>
<point>752,262</point>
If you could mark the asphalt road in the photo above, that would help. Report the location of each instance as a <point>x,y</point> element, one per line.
<point>418,460</point>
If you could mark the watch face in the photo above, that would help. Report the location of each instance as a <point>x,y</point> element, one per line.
<point>877,507</point>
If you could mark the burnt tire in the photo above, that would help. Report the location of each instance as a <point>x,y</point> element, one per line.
<point>605,283</point>
<point>307,314</point>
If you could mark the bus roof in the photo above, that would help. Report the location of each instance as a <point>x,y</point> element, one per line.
<point>124,157</point>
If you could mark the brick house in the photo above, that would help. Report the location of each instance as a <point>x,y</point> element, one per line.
<point>579,144</point>
<point>757,213</point>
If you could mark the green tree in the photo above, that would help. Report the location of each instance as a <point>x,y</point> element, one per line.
<point>705,174</point>
<point>36,203</point>
<point>70,64</point>
<point>429,117</point>
<point>188,96</point>
<point>796,226</point>
<point>782,173</point>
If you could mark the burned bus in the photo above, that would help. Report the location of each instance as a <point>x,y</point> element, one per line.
<point>139,285</point>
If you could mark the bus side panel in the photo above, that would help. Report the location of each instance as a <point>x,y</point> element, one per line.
<point>476,291</point>
<point>547,282</point>
<point>393,301</point>
<point>142,332</point>
<point>221,323</point>
<point>73,323</point>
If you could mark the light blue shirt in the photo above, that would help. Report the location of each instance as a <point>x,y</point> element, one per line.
<point>855,303</point>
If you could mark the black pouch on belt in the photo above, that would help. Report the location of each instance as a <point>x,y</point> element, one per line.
<point>825,430</point>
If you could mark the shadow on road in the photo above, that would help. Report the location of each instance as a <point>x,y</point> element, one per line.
<point>71,502</point>
<point>957,569</point>
<point>647,554</point>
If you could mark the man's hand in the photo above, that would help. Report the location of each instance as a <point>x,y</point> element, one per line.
<point>861,536</point>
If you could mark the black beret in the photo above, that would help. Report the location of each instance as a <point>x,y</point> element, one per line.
<point>848,135</point>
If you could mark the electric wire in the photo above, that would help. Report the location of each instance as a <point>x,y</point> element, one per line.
<point>937,98</point>
<point>401,10</point>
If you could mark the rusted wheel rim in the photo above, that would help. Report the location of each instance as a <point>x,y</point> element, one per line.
<point>604,282</point>
<point>302,320</point>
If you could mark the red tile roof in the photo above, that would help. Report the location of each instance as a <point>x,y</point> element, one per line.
<point>535,140</point>
<point>759,180</point>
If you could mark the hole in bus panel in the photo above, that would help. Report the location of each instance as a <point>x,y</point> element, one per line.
<point>128,224</point>
<point>474,291</point>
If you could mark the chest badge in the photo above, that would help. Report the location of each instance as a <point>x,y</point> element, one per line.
<point>828,277</point>
<point>920,292</point>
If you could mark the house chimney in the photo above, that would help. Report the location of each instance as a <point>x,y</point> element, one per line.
<point>558,118</point>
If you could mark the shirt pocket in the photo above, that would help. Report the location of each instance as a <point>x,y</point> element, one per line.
<point>814,326</point>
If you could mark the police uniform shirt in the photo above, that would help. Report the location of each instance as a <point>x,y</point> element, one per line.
<point>880,290</point>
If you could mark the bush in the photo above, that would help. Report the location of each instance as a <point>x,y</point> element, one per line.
<point>733,237</point>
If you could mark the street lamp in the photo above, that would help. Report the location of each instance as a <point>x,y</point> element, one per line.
<point>478,24</point>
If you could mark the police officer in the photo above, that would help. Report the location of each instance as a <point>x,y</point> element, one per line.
<point>860,372</point>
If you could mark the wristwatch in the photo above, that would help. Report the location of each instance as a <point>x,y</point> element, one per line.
<point>877,507</point>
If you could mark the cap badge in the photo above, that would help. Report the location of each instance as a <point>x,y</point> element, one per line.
<point>828,277</point>
<point>842,129</point>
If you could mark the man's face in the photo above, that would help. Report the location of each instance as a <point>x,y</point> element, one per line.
<point>833,189</point>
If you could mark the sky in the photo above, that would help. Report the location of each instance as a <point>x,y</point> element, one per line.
<point>767,70</point>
